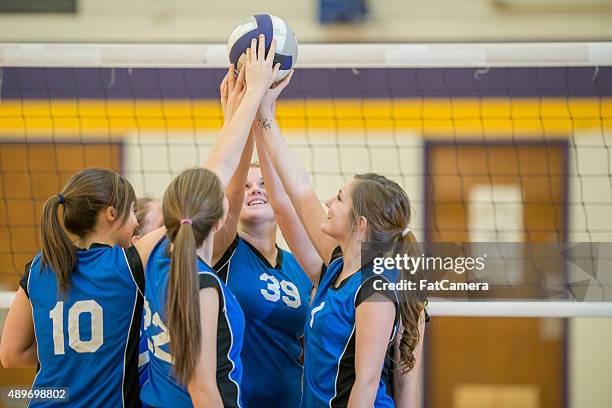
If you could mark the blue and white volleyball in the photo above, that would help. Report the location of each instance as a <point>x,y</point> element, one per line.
<point>272,27</point>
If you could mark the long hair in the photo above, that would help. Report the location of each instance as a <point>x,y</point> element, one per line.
<point>386,207</point>
<point>197,195</point>
<point>82,198</point>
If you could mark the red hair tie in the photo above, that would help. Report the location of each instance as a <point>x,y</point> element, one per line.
<point>186,221</point>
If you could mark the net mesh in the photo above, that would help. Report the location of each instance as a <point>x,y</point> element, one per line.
<point>499,154</point>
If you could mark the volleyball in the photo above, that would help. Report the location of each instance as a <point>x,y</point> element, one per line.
<point>272,27</point>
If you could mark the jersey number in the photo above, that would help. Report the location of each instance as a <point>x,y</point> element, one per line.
<point>159,339</point>
<point>74,332</point>
<point>291,295</point>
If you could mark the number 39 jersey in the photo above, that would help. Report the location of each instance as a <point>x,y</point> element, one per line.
<point>87,338</point>
<point>275,303</point>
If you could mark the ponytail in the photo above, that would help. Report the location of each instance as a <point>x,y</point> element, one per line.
<point>411,306</point>
<point>198,194</point>
<point>183,304</point>
<point>58,252</point>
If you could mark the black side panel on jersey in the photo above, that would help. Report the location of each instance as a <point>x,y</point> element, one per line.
<point>346,375</point>
<point>227,388</point>
<point>133,258</point>
<point>222,265</point>
<point>23,281</point>
<point>131,389</point>
<point>206,280</point>
<point>368,289</point>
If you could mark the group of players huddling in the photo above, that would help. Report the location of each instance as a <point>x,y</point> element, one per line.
<point>228,318</point>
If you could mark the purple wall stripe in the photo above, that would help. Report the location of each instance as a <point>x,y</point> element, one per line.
<point>192,83</point>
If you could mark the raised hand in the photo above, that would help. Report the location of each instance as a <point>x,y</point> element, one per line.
<point>268,103</point>
<point>232,91</point>
<point>259,71</point>
<point>240,103</point>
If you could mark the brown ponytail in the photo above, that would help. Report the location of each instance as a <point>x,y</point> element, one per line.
<point>183,304</point>
<point>386,206</point>
<point>84,196</point>
<point>411,307</point>
<point>58,252</point>
<point>192,204</point>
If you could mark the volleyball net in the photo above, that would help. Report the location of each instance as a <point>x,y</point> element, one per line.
<point>495,144</point>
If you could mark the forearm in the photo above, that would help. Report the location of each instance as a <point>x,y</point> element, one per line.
<point>276,192</point>
<point>235,189</point>
<point>226,153</point>
<point>406,394</point>
<point>363,393</point>
<point>290,223</point>
<point>235,196</point>
<point>292,174</point>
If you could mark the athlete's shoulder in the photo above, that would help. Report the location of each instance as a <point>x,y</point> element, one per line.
<point>329,272</point>
<point>161,246</point>
<point>222,263</point>
<point>33,265</point>
<point>208,278</point>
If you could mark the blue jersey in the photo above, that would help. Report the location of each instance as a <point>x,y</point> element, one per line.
<point>275,302</point>
<point>87,338</point>
<point>161,389</point>
<point>329,362</point>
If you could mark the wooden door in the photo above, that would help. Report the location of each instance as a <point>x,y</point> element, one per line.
<point>496,362</point>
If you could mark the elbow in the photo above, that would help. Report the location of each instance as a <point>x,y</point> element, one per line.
<point>12,358</point>
<point>6,357</point>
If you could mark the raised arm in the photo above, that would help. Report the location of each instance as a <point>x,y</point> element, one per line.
<point>252,83</point>
<point>286,217</point>
<point>295,180</point>
<point>235,189</point>
<point>235,197</point>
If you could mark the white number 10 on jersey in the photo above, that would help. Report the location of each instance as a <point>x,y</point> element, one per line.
<point>74,332</point>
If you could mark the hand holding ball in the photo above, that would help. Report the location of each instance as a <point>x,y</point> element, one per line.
<point>271,27</point>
